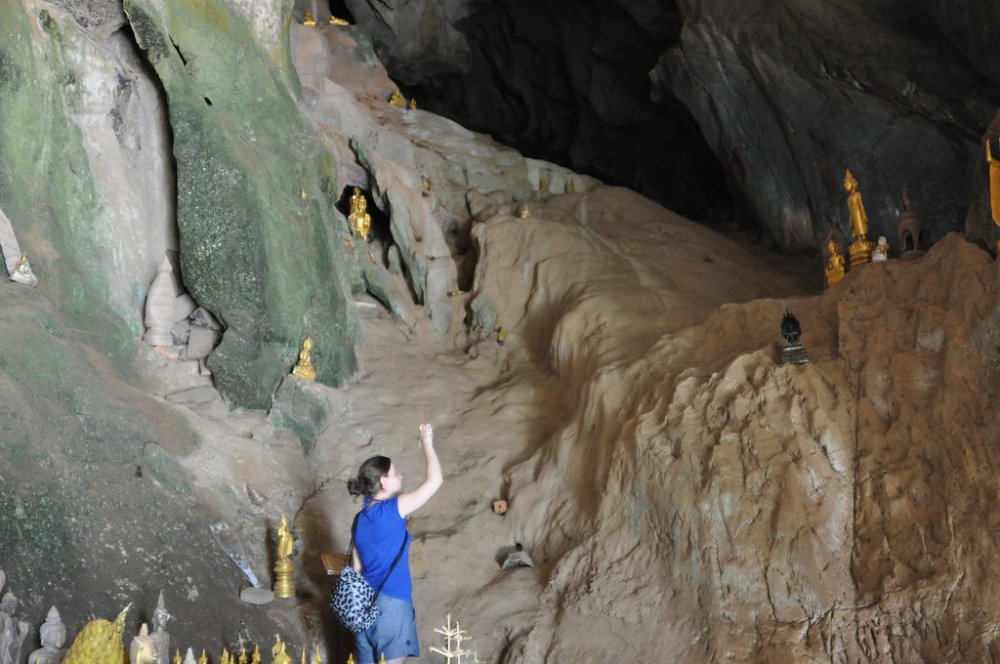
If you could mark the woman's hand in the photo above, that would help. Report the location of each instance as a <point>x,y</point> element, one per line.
<point>426,435</point>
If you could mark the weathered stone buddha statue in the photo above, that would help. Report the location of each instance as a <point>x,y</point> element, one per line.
<point>52,634</point>
<point>861,249</point>
<point>880,253</point>
<point>160,637</point>
<point>305,369</point>
<point>834,264</point>
<point>13,632</point>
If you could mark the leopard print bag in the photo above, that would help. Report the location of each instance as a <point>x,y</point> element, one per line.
<point>353,601</point>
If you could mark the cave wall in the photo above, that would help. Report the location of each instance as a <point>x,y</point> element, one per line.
<point>747,111</point>
<point>85,167</point>
<point>254,194</point>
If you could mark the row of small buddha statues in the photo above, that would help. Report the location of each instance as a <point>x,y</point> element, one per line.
<point>100,642</point>
<point>310,20</point>
<point>862,250</point>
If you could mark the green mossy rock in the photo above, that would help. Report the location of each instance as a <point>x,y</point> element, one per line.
<point>46,183</point>
<point>256,241</point>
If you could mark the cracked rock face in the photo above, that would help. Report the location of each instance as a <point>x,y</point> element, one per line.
<point>99,18</point>
<point>768,102</point>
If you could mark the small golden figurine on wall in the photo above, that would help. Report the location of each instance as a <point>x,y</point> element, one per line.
<point>994,187</point>
<point>309,20</point>
<point>359,219</point>
<point>305,369</point>
<point>397,99</point>
<point>834,264</point>
<point>861,249</point>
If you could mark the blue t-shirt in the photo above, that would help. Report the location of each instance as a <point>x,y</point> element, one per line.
<point>380,533</point>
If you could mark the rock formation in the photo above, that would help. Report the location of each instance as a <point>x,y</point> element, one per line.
<point>785,95</point>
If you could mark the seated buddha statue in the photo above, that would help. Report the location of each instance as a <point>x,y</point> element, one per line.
<point>360,220</point>
<point>834,264</point>
<point>305,369</point>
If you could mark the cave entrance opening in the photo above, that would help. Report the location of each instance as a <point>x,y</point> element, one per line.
<point>339,9</point>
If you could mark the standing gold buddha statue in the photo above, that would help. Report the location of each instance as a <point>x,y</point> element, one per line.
<point>861,249</point>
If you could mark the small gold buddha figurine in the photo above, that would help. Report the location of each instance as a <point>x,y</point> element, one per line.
<point>243,655</point>
<point>317,658</point>
<point>22,272</point>
<point>255,658</point>
<point>225,658</point>
<point>338,21</point>
<point>861,249</point>
<point>278,654</point>
<point>309,19</point>
<point>397,99</point>
<point>523,211</point>
<point>284,568</point>
<point>359,219</point>
<point>284,538</point>
<point>305,369</point>
<point>204,657</point>
<point>994,183</point>
<point>834,264</point>
<point>350,658</point>
<point>177,657</point>
<point>413,104</point>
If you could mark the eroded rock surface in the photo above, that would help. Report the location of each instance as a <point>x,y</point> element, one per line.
<point>784,95</point>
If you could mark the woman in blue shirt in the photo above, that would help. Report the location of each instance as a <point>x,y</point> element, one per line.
<point>379,536</point>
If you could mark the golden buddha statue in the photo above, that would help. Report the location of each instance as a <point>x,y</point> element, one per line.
<point>834,264</point>
<point>284,538</point>
<point>278,654</point>
<point>994,187</point>
<point>177,657</point>
<point>243,655</point>
<point>861,249</point>
<point>284,568</point>
<point>305,369</point>
<point>413,104</point>
<point>397,99</point>
<point>309,19</point>
<point>255,658</point>
<point>337,21</point>
<point>360,220</point>
<point>204,657</point>
<point>317,658</point>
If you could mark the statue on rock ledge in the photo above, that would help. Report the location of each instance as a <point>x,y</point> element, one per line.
<point>305,369</point>
<point>834,264</point>
<point>360,220</point>
<point>861,249</point>
<point>22,272</point>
